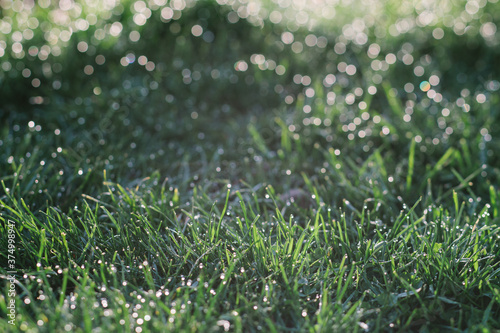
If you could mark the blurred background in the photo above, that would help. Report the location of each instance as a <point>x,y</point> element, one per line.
<point>138,86</point>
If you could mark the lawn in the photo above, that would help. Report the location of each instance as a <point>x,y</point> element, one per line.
<point>249,166</point>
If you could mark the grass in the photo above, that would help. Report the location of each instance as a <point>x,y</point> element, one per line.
<point>220,200</point>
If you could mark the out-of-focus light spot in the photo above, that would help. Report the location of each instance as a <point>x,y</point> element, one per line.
<point>361,38</point>
<point>271,64</point>
<point>141,7</point>
<point>339,48</point>
<point>311,40</point>
<point>56,51</point>
<point>6,66</point>
<point>82,46</point>
<point>100,34</point>
<point>390,58</point>
<point>306,80</point>
<point>330,98</point>
<point>425,86</point>
<point>418,71</point>
<point>472,7</point>
<point>373,50</point>
<point>459,28</point>
<point>17,36</point>
<point>82,24</point>
<point>100,59</point>
<point>302,17</point>
<point>350,99</point>
<point>65,35</point>
<point>280,70</point>
<point>17,47</point>
<point>33,23</point>
<point>376,65</point>
<point>35,83</point>
<point>434,80</point>
<point>481,98</point>
<point>241,66</point>
<point>310,92</point>
<point>233,17</point>
<point>36,100</point>
<point>408,59</point>
<point>438,33</point>
<point>425,18</point>
<point>322,42</point>
<point>116,29</point>
<point>329,80</point>
<point>66,5</point>
<point>89,70</point>
<point>409,87</point>
<point>488,30</point>
<point>130,58</point>
<point>297,78</point>
<point>167,13</point>
<point>140,19</point>
<point>257,59</point>
<point>26,73</point>
<point>275,17</point>
<point>197,30</point>
<point>377,78</point>
<point>341,67</point>
<point>492,85</point>
<point>242,12</point>
<point>287,37</point>
<point>134,36</point>
<point>350,70</point>
<point>208,36</point>
<point>215,74</point>
<point>169,98</point>
<point>142,60</point>
<point>97,91</point>
<point>178,4</point>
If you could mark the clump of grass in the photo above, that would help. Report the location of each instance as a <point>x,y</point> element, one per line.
<point>141,258</point>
